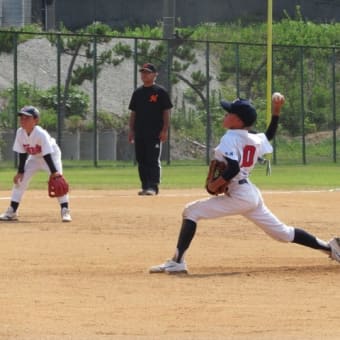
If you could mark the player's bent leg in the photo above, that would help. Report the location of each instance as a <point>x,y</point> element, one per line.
<point>270,224</point>
<point>177,264</point>
<point>281,232</point>
<point>18,191</point>
<point>185,237</point>
<point>215,207</point>
<point>306,239</point>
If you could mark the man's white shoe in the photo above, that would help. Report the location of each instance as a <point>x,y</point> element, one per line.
<point>169,267</point>
<point>65,215</point>
<point>150,192</point>
<point>9,215</point>
<point>335,248</point>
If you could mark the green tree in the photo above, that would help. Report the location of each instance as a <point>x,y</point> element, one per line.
<point>83,43</point>
<point>8,36</point>
<point>45,100</point>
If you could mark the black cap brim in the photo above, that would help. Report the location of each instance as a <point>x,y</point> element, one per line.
<point>226,105</point>
<point>26,114</point>
<point>146,70</point>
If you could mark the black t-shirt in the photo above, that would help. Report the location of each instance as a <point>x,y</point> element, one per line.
<point>149,104</point>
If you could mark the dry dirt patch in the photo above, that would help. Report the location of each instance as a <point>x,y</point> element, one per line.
<point>88,279</point>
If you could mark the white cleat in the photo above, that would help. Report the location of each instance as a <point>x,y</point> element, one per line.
<point>65,215</point>
<point>150,192</point>
<point>9,215</point>
<point>169,267</point>
<point>334,243</point>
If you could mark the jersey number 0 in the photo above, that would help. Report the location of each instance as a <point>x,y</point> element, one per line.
<point>248,156</point>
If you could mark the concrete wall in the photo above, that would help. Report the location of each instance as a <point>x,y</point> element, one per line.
<point>15,12</point>
<point>119,13</point>
<point>122,13</point>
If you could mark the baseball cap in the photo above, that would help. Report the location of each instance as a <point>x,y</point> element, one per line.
<point>29,111</point>
<point>148,67</point>
<point>242,108</point>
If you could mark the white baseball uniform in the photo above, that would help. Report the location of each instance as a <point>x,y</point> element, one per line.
<point>243,197</point>
<point>37,144</point>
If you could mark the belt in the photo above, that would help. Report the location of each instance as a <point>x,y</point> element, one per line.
<point>242,181</point>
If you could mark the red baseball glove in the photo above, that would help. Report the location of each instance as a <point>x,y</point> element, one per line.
<point>57,186</point>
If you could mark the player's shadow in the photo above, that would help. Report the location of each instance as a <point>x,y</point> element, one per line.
<point>310,269</point>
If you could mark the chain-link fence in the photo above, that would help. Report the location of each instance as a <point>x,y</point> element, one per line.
<point>82,84</point>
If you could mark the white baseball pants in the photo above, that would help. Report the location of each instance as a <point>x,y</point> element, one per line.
<point>242,199</point>
<point>34,164</point>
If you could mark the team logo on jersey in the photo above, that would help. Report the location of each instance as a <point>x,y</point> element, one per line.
<point>153,98</point>
<point>32,150</point>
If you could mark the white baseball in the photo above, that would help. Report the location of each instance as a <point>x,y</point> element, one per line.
<point>277,96</point>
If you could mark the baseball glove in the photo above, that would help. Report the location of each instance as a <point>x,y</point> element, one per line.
<point>57,186</point>
<point>215,184</point>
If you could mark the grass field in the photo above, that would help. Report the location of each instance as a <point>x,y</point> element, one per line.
<point>186,175</point>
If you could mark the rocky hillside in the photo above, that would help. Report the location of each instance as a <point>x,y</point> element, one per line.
<point>37,65</point>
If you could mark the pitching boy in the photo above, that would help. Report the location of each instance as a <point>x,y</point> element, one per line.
<point>240,149</point>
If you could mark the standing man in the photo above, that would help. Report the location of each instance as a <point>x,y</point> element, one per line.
<point>150,107</point>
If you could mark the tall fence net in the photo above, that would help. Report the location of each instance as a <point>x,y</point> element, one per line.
<point>82,84</point>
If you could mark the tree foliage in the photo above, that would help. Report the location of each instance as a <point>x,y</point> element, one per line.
<point>81,44</point>
<point>46,101</point>
<point>11,36</point>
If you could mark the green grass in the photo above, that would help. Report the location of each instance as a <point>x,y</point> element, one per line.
<point>186,175</point>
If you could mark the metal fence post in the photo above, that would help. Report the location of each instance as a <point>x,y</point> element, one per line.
<point>334,102</point>
<point>302,105</point>
<point>273,87</point>
<point>207,105</point>
<point>135,72</point>
<point>95,125</point>
<point>169,64</point>
<point>15,86</point>
<point>59,117</point>
<point>237,71</point>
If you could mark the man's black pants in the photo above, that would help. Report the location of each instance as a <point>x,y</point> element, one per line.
<point>148,153</point>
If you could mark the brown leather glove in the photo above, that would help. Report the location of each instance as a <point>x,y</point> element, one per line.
<point>215,184</point>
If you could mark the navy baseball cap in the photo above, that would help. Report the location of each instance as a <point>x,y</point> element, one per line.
<point>29,111</point>
<point>242,108</point>
<point>148,67</point>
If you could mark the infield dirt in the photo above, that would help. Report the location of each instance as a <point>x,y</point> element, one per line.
<point>89,279</point>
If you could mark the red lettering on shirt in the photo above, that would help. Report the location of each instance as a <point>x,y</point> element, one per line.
<point>32,150</point>
<point>153,98</point>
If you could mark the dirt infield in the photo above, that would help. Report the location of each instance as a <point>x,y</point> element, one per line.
<point>89,279</point>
